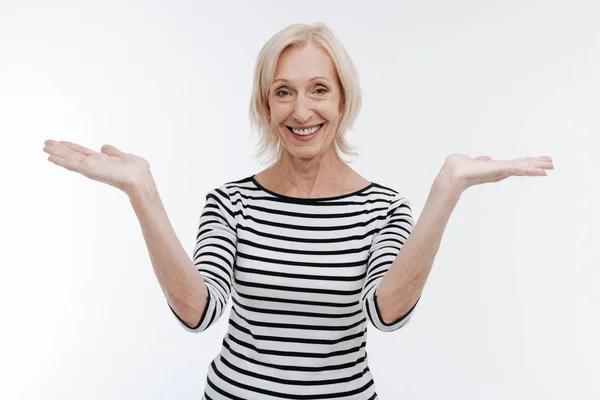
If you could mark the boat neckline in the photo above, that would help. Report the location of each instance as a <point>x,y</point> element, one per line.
<point>309,199</point>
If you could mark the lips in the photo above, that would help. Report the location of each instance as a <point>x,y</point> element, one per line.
<point>305,127</point>
<point>307,137</point>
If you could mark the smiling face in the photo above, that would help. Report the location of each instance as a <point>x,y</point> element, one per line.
<point>305,101</point>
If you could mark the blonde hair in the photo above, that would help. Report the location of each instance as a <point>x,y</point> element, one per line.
<point>266,62</point>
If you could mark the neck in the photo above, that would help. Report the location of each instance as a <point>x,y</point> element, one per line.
<point>309,175</point>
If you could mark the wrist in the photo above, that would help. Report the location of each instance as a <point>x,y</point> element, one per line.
<point>140,184</point>
<point>446,181</point>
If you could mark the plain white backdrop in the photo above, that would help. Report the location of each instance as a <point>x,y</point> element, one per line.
<point>510,310</point>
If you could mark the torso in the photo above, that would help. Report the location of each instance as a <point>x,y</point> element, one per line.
<point>302,274</point>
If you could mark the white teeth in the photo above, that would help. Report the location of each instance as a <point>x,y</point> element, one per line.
<point>304,132</point>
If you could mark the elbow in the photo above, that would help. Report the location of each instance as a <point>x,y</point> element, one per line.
<point>385,323</point>
<point>203,313</point>
<point>393,325</point>
<point>192,320</point>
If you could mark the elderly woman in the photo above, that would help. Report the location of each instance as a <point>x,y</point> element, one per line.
<point>312,249</point>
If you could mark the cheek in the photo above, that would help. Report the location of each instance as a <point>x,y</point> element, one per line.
<point>330,111</point>
<point>331,106</point>
<point>279,113</point>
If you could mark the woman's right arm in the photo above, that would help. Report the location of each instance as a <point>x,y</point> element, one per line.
<point>197,289</point>
<point>182,285</point>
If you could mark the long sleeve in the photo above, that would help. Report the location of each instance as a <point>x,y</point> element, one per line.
<point>214,255</point>
<point>388,241</point>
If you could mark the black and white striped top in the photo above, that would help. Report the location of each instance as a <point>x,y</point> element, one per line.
<point>305,274</point>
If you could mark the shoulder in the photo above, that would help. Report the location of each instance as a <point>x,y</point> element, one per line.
<point>386,191</point>
<point>394,198</point>
<point>234,193</point>
<point>230,188</point>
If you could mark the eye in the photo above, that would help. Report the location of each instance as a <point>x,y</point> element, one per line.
<point>323,91</point>
<point>279,93</point>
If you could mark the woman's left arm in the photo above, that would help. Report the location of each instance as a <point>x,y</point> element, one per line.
<point>403,283</point>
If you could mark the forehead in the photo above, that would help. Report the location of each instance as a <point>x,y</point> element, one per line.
<point>303,63</point>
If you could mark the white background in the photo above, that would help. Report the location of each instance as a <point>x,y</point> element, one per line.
<point>510,310</point>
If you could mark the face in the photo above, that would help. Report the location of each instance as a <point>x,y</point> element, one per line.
<point>305,100</point>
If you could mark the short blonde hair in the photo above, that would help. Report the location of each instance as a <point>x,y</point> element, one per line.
<point>266,62</point>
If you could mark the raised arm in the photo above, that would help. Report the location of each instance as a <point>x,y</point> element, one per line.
<point>388,241</point>
<point>182,285</point>
<point>196,290</point>
<point>403,283</point>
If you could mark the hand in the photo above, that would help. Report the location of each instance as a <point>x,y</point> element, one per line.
<point>469,171</point>
<point>111,166</point>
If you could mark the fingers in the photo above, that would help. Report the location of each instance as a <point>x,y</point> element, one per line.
<point>542,163</point>
<point>540,158</point>
<point>66,149</point>
<point>529,166</point>
<point>546,164</point>
<point>70,164</point>
<point>110,150</point>
<point>78,148</point>
<point>61,150</point>
<point>534,166</point>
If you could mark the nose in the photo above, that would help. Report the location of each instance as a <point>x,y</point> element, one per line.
<point>302,109</point>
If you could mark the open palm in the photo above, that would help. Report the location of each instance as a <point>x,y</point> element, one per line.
<point>110,165</point>
<point>482,169</point>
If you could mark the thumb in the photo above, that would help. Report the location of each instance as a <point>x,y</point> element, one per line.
<point>110,150</point>
<point>485,158</point>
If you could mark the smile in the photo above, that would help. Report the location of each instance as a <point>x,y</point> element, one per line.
<point>309,131</point>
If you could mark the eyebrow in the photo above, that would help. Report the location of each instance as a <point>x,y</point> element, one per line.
<point>312,79</point>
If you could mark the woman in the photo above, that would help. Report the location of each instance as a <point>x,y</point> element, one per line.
<point>311,247</point>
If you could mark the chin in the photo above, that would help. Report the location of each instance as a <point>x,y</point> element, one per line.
<point>307,152</point>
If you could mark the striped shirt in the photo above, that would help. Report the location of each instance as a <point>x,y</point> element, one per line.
<point>305,274</point>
